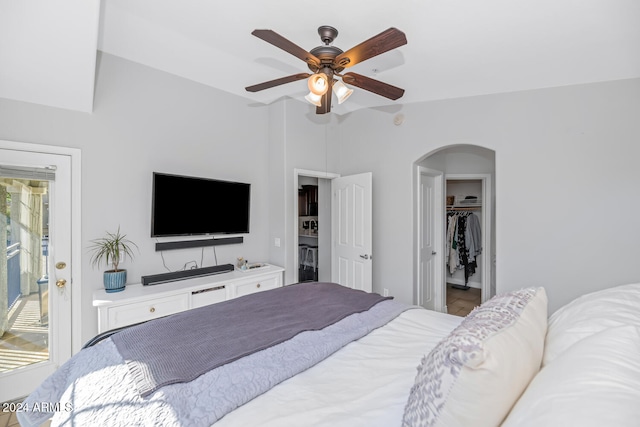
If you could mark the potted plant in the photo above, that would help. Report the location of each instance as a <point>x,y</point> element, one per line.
<point>112,249</point>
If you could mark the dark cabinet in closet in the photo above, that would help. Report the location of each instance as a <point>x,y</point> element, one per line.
<point>308,200</point>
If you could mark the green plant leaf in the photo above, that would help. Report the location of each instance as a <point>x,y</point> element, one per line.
<point>112,249</point>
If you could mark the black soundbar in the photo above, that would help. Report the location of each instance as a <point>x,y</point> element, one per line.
<point>185,244</point>
<point>156,279</point>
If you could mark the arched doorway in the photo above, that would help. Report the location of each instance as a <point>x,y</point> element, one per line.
<point>452,183</point>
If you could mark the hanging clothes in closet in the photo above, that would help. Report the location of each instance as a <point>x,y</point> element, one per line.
<point>464,242</point>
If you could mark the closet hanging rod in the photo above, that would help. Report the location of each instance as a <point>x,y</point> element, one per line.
<point>466,208</point>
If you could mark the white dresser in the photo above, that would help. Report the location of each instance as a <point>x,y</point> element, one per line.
<point>138,303</point>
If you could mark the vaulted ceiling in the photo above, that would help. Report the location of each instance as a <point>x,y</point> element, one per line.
<point>455,48</point>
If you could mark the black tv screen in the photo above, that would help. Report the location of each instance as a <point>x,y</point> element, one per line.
<point>188,206</point>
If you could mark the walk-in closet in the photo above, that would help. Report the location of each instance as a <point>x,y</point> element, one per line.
<point>308,226</point>
<point>464,251</point>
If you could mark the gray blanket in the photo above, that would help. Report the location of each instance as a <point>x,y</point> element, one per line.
<point>96,386</point>
<point>182,347</point>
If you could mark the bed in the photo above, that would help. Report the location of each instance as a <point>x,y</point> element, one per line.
<point>386,364</point>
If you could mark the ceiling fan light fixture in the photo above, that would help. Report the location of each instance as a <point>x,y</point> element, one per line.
<point>318,84</point>
<point>342,91</point>
<point>314,99</point>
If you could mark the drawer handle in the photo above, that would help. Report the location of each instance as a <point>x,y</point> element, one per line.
<point>258,285</point>
<point>152,310</point>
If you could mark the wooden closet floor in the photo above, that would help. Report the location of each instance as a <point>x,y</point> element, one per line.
<point>461,302</point>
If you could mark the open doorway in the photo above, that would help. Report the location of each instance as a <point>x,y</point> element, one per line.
<point>467,244</point>
<point>308,230</point>
<point>466,191</point>
<point>343,229</point>
<point>312,232</point>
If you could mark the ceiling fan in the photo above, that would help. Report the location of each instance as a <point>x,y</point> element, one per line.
<point>327,62</point>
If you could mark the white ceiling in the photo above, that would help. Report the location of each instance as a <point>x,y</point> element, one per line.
<point>48,51</point>
<point>455,48</point>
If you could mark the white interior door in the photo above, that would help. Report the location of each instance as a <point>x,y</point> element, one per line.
<point>431,287</point>
<point>427,247</point>
<point>43,309</point>
<point>351,219</point>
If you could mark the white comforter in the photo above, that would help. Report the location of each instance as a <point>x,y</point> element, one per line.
<point>365,384</point>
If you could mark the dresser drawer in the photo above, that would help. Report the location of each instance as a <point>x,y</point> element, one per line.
<point>128,314</point>
<point>250,287</point>
<point>208,296</point>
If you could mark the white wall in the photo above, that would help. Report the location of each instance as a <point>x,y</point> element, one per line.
<point>566,161</point>
<point>278,227</point>
<point>144,121</point>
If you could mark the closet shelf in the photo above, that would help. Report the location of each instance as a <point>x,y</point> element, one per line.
<point>313,236</point>
<point>464,208</point>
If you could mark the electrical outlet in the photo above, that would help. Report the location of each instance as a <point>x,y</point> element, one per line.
<point>276,242</point>
<point>385,292</point>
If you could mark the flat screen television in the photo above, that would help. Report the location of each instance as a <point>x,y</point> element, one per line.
<point>192,206</point>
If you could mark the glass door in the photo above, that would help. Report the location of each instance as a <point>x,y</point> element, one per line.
<point>35,245</point>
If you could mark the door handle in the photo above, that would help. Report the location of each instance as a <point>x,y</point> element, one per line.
<point>433,252</point>
<point>61,283</point>
<point>365,256</point>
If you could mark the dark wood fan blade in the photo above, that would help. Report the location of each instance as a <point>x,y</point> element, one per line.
<point>277,82</point>
<point>383,42</point>
<point>372,85</point>
<point>325,106</point>
<point>277,40</point>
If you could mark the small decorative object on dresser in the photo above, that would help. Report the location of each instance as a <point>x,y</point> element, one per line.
<point>112,249</point>
<point>241,264</point>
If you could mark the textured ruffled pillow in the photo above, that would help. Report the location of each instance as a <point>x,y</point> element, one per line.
<point>475,375</point>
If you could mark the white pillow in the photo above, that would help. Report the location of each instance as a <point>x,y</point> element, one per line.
<point>590,314</point>
<point>475,375</point>
<point>595,383</point>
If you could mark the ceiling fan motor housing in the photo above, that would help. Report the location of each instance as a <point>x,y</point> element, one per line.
<point>326,54</point>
